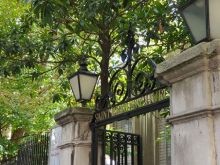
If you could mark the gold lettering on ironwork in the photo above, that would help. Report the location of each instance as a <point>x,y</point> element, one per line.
<point>103,115</point>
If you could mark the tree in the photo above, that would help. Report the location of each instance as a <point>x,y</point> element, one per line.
<point>41,43</point>
<point>98,28</point>
<point>26,105</point>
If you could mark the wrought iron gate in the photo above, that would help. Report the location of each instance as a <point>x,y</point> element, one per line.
<point>133,83</point>
<point>120,148</point>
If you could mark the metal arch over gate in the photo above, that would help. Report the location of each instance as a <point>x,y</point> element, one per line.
<point>142,93</point>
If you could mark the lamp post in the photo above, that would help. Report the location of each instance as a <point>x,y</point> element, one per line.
<point>83,83</point>
<point>202,19</point>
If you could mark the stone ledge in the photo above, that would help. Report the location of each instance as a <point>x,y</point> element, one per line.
<point>192,61</point>
<point>192,115</point>
<point>71,144</point>
<point>202,49</point>
<point>73,114</point>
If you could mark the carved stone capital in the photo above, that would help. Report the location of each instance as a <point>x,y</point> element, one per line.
<point>73,115</point>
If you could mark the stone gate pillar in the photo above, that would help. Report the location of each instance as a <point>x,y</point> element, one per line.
<point>75,147</point>
<point>194,77</point>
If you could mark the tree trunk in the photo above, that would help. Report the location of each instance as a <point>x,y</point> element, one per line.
<point>105,44</point>
<point>17,134</point>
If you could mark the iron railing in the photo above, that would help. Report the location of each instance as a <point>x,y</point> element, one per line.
<point>33,151</point>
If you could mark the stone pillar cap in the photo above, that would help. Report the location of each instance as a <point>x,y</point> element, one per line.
<point>172,69</point>
<point>204,48</point>
<point>73,114</point>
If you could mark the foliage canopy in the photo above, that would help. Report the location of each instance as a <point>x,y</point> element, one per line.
<point>41,41</point>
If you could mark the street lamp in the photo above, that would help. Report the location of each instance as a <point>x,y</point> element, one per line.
<point>83,83</point>
<point>202,19</point>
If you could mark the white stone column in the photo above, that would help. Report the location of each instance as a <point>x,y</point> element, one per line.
<point>75,147</point>
<point>194,77</point>
<point>54,151</point>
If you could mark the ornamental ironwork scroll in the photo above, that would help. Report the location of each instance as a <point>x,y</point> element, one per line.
<point>123,88</point>
<point>134,79</point>
<point>120,148</point>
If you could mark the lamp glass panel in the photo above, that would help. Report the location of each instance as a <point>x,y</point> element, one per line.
<point>214,13</point>
<point>195,16</point>
<point>75,86</point>
<point>87,83</point>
